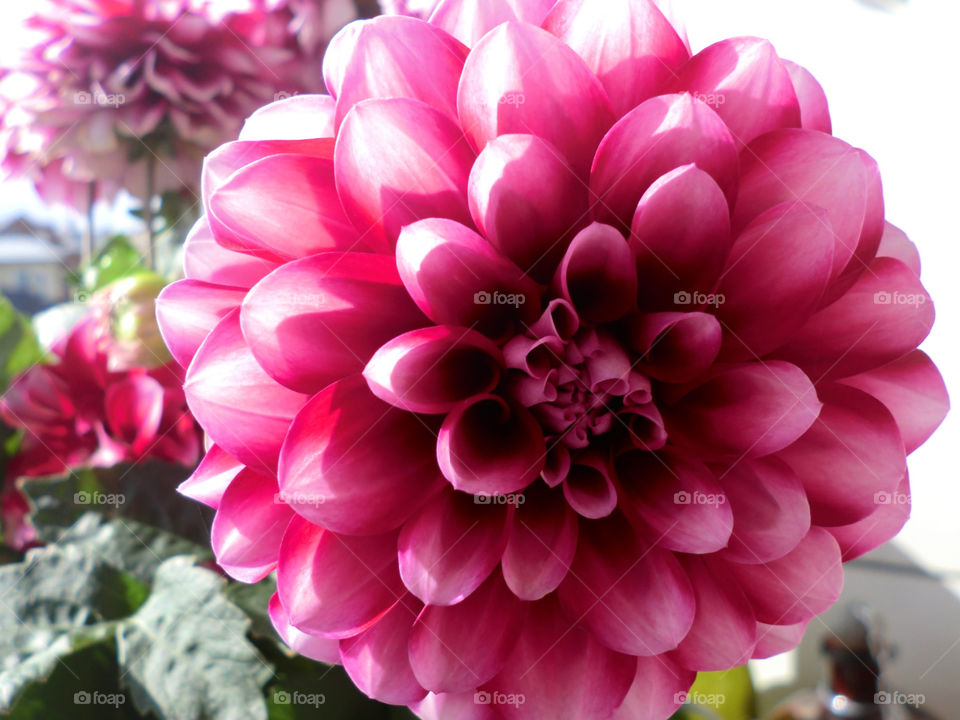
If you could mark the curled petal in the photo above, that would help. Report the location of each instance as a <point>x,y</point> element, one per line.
<point>814,110</point>
<point>892,513</point>
<point>673,346</point>
<point>470,20</point>
<point>657,690</point>
<point>188,310</point>
<point>588,487</point>
<point>559,320</point>
<point>489,446</point>
<point>211,478</point>
<point>896,244</point>
<point>521,79</point>
<point>775,639</point>
<point>451,546</point>
<point>354,464</point>
<point>319,319</point>
<point>232,157</point>
<point>434,369</point>
<point>597,276</point>
<point>315,648</point>
<point>204,259</point>
<point>299,117</point>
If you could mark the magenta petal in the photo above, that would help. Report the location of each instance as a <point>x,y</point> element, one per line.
<point>337,55</point>
<point>377,659</point>
<point>398,161</point>
<point>458,648</point>
<point>771,514</point>
<point>752,409</point>
<point>674,346</point>
<point>450,547</point>
<point>776,274</point>
<point>597,274</point>
<point>211,478</point>
<point>541,545</point>
<point>632,597</point>
<point>527,201</point>
<point>387,61</point>
<point>354,464</point>
<point>746,83</point>
<point>489,446</point>
<point>628,44</point>
<point>589,488</point>
<point>188,310</point>
<point>676,499</point>
<point>855,438</point>
<point>336,586</point>
<point>315,648</point>
<point>561,671</point>
<point>892,513</point>
<point>455,706</point>
<point>724,631</point>
<point>316,320</point>
<point>300,117</point>
<point>775,639</point>
<point>658,689</point>
<point>913,391</point>
<point>796,587</point>
<point>521,79</point>
<point>680,236</point>
<point>206,260</point>
<point>240,407</point>
<point>885,315</point>
<point>814,110</point>
<point>134,407</point>
<point>896,244</point>
<point>457,278</point>
<point>249,524</point>
<point>470,20</point>
<point>283,205</point>
<point>432,370</point>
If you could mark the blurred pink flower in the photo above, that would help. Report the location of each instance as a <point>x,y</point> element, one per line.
<point>546,364</point>
<point>103,85</point>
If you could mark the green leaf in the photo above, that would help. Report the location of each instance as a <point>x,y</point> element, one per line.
<point>118,259</point>
<point>19,348</point>
<point>185,653</point>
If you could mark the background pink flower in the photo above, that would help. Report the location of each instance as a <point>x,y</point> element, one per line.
<point>553,375</point>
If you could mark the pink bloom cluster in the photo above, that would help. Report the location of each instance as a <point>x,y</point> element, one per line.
<point>546,364</point>
<point>103,85</point>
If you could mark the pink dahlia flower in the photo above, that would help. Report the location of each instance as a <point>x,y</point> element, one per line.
<point>104,85</point>
<point>80,413</point>
<point>532,355</point>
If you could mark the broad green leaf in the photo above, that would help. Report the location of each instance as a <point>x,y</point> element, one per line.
<point>729,693</point>
<point>118,259</point>
<point>19,348</point>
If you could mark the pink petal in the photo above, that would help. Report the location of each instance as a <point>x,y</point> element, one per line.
<point>628,44</point>
<point>896,244</point>
<point>676,499</point>
<point>680,236</point>
<point>775,639</point>
<point>188,310</point>
<point>746,83</point>
<point>211,478</point>
<point>315,648</point>
<point>300,117</point>
<point>356,465</point>
<point>771,514</point>
<point>387,61</point>
<point>377,659</point>
<point>658,689</point>
<point>284,205</point>
<point>521,79</point>
<point>434,369</point>
<point>814,110</point>
<point>892,513</point>
<point>796,587</point>
<point>657,136</point>
<point>450,547</point>
<point>597,275</point>
<point>134,408</point>
<point>333,585</point>
<point>588,487</point>
<point>249,524</point>
<point>776,273</point>
<point>204,259</point>
<point>456,706</point>
<point>633,598</point>
<point>458,648</point>
<point>337,55</point>
<point>885,315</point>
<point>489,446</point>
<point>675,347</point>
<point>541,545</point>
<point>319,319</point>
<point>724,631</point>
<point>527,201</point>
<point>913,391</point>
<point>398,161</point>
<point>752,409</point>
<point>240,407</point>
<point>855,438</point>
<point>561,671</point>
<point>232,157</point>
<point>456,278</point>
<point>470,20</point>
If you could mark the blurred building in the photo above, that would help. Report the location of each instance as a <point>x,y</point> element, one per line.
<point>35,264</point>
